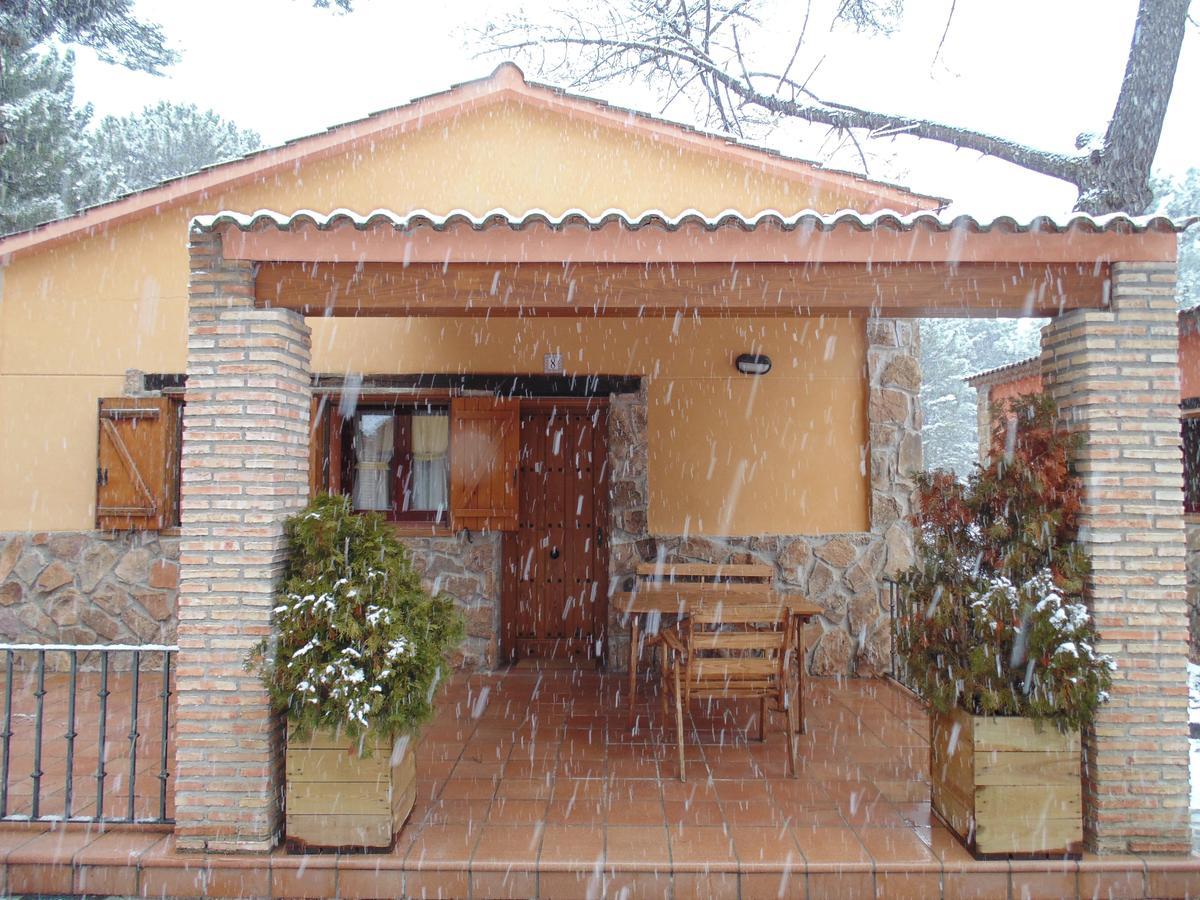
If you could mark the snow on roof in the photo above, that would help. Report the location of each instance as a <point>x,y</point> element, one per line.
<point>805,219</point>
<point>1009,372</point>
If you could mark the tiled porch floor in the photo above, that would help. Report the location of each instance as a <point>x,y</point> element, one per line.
<point>534,784</point>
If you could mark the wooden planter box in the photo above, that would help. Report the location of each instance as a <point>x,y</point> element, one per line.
<point>337,799</point>
<point>1007,786</point>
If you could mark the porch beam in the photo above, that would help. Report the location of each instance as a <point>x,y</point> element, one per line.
<point>708,289</point>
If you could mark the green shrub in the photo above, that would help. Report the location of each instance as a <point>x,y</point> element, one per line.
<point>993,616</point>
<point>359,646</point>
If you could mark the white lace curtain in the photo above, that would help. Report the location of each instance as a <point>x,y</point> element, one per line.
<point>430,443</point>
<point>374,437</point>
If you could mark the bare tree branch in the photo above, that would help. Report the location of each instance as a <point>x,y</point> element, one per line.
<point>696,48</point>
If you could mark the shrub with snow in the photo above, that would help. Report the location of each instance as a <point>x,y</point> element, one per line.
<point>993,616</point>
<point>359,646</point>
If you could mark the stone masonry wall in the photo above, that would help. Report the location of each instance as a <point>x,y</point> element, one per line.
<point>842,573</point>
<point>469,571</point>
<point>88,587</point>
<point>1115,376</point>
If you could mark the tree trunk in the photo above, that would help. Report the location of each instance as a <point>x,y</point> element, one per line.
<point>1115,178</point>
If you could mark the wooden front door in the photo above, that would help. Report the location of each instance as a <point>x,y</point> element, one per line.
<point>555,603</point>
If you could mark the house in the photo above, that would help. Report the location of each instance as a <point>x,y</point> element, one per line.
<point>996,387</point>
<point>511,319</point>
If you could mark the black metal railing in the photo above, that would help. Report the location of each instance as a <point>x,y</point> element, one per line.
<point>898,608</point>
<point>69,686</point>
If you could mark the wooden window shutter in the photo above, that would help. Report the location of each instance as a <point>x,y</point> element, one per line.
<point>485,439</point>
<point>318,447</point>
<point>137,466</point>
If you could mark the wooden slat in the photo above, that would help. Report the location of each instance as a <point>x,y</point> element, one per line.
<point>321,830</point>
<point>744,668</point>
<point>710,613</point>
<point>667,571</point>
<point>137,463</point>
<point>1025,768</point>
<point>1013,733</point>
<point>635,289</point>
<point>745,588</point>
<point>738,640</point>
<point>679,600</point>
<point>1028,834</point>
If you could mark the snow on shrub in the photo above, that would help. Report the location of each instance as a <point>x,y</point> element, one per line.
<point>358,646</point>
<point>993,616</point>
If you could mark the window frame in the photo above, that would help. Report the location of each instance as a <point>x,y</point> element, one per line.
<point>401,408</point>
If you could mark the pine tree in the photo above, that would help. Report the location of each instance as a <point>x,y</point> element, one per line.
<point>1180,197</point>
<point>43,149</point>
<point>952,349</point>
<point>164,141</point>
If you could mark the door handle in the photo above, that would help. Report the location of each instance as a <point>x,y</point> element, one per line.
<point>554,553</point>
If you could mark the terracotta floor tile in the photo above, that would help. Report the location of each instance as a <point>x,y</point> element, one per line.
<point>837,882</point>
<point>503,845</point>
<point>1172,881</point>
<point>434,884</point>
<point>518,812</point>
<point>571,885</point>
<point>895,845</point>
<point>704,885</point>
<point>369,884</point>
<point>773,885</point>
<point>701,848</point>
<point>469,789</point>
<point>907,885</point>
<point>638,885</point>
<point>455,812</point>
<point>510,884</point>
<point>974,885</point>
<point>106,880</point>
<point>316,878</point>
<point>765,813</point>
<point>579,812</point>
<point>623,790</point>
<point>701,812</point>
<point>441,845</point>
<point>636,847</point>
<point>765,847</point>
<point>572,845</point>
<point>1112,881</point>
<point>1033,883</point>
<point>830,845</point>
<point>637,812</point>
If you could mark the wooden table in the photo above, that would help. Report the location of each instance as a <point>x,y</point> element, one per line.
<point>676,599</point>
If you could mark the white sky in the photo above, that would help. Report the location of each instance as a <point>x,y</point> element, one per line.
<point>1036,71</point>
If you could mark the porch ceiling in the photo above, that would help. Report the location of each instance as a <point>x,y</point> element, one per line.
<point>616,263</point>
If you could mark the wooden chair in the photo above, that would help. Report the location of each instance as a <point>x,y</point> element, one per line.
<point>731,651</point>
<point>752,579</point>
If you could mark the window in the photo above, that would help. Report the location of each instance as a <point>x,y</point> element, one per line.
<point>440,460</point>
<point>397,461</point>
<point>1191,464</point>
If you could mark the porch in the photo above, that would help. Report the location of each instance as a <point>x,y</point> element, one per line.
<point>534,784</point>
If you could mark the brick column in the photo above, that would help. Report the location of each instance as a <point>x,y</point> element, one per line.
<point>1115,377</point>
<point>245,469</point>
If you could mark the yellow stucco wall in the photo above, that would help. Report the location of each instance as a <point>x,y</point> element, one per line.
<point>73,318</point>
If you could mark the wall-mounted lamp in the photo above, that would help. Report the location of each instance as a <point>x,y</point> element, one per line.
<point>753,364</point>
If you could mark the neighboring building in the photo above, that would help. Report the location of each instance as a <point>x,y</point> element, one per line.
<point>513,325</point>
<point>995,387</point>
